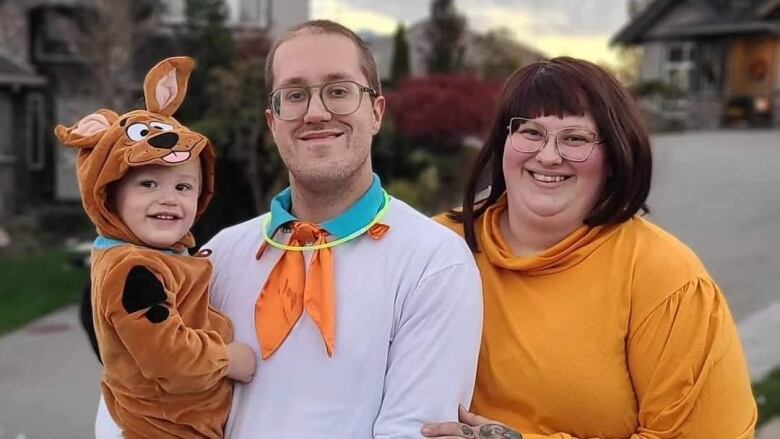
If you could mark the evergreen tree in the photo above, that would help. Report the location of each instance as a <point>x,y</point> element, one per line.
<point>446,34</point>
<point>206,38</point>
<point>225,101</point>
<point>400,68</point>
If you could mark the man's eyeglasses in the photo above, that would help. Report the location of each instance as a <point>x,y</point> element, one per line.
<point>341,98</point>
<point>573,143</point>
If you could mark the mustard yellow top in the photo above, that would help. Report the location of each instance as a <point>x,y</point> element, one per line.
<point>614,332</point>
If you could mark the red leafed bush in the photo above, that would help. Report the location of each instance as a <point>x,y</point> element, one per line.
<point>441,110</point>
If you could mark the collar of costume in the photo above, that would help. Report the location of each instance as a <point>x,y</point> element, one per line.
<point>104,243</point>
<point>567,253</point>
<point>365,212</point>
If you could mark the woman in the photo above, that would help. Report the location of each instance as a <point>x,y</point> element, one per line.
<point>598,324</point>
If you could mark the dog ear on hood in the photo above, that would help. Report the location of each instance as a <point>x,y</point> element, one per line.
<point>166,84</point>
<point>87,132</point>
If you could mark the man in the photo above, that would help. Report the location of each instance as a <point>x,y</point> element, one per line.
<point>381,333</point>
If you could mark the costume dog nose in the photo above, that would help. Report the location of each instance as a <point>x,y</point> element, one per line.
<point>164,140</point>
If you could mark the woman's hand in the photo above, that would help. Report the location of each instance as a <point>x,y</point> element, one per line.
<point>470,426</point>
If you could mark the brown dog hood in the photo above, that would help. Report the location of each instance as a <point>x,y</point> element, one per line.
<point>110,144</point>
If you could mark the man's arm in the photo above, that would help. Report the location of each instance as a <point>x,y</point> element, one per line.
<point>433,357</point>
<point>105,426</point>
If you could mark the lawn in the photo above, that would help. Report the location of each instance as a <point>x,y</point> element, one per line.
<point>36,284</point>
<point>767,393</point>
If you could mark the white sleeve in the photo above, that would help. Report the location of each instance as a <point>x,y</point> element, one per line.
<point>216,299</point>
<point>105,427</point>
<point>432,359</point>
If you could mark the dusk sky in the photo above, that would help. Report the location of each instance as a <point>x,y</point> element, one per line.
<point>579,28</point>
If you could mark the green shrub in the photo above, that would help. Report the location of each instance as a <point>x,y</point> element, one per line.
<point>767,393</point>
<point>657,88</point>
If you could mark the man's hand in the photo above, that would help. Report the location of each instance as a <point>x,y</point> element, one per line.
<point>470,426</point>
<point>241,362</point>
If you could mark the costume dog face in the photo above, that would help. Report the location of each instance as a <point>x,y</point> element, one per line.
<point>110,144</point>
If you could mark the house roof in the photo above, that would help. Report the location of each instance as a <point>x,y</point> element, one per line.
<point>769,7</point>
<point>716,20</point>
<point>725,29</point>
<point>12,73</point>
<point>633,31</point>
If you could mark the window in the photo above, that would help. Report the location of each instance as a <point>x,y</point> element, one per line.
<point>680,64</point>
<point>50,28</point>
<point>174,12</point>
<point>254,12</point>
<point>36,134</point>
<point>6,129</point>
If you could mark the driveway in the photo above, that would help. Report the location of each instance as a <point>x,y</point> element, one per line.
<point>719,192</point>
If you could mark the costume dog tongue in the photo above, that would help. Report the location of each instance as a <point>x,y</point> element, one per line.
<point>109,145</point>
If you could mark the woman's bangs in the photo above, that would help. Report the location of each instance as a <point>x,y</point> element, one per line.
<point>548,92</point>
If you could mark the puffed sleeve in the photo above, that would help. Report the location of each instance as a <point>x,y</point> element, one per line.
<point>687,367</point>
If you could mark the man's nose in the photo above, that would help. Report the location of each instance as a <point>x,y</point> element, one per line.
<point>316,111</point>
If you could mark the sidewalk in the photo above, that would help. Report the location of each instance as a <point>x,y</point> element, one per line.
<point>759,339</point>
<point>49,380</point>
<point>770,430</point>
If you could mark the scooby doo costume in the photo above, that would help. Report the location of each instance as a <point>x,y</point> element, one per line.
<point>164,349</point>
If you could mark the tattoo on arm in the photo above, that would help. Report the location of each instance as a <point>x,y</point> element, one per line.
<point>495,431</point>
<point>466,430</point>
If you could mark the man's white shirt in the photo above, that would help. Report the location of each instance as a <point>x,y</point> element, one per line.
<point>407,335</point>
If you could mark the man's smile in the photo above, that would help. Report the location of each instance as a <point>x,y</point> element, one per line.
<point>321,135</point>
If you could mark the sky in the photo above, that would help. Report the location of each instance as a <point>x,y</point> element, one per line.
<point>580,28</point>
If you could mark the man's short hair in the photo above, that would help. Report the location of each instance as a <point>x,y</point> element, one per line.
<point>367,63</point>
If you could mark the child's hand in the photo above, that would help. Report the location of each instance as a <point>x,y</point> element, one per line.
<point>241,362</point>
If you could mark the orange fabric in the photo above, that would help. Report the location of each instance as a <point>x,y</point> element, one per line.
<point>377,231</point>
<point>106,152</point>
<point>286,292</point>
<point>614,332</point>
<point>167,378</point>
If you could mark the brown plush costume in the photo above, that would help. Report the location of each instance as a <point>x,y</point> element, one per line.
<point>163,348</point>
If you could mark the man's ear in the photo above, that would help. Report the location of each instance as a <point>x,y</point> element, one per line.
<point>269,119</point>
<point>166,84</point>
<point>378,110</point>
<point>87,132</point>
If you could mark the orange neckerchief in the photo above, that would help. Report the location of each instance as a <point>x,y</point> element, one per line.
<point>286,292</point>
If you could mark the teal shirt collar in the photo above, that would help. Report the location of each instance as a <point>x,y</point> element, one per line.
<point>104,243</point>
<point>353,219</point>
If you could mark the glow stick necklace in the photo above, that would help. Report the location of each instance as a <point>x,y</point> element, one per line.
<point>340,241</point>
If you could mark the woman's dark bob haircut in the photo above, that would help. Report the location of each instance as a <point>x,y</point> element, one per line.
<point>568,87</point>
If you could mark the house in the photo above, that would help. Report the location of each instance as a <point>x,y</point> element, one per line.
<point>22,135</point>
<point>43,81</point>
<point>723,56</point>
